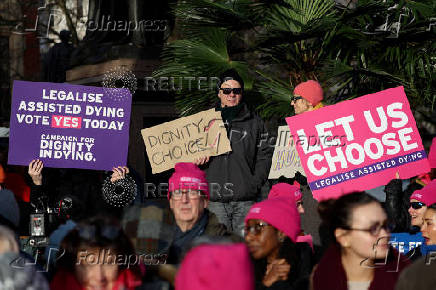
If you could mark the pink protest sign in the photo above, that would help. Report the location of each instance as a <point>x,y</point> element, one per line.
<point>359,144</point>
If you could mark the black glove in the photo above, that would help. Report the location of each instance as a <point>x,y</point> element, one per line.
<point>300,178</point>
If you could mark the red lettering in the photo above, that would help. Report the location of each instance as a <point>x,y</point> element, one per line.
<point>66,122</point>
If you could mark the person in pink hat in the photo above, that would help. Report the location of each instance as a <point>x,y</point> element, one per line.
<point>169,231</point>
<point>282,189</point>
<point>308,96</point>
<point>406,209</point>
<point>422,207</point>
<point>216,267</point>
<point>271,230</point>
<point>188,195</point>
<point>286,189</point>
<point>405,216</point>
<point>420,200</point>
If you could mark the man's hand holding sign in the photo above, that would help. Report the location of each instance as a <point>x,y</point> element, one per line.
<point>380,138</point>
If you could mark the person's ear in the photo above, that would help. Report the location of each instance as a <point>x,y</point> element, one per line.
<point>206,202</point>
<point>342,237</point>
<point>281,236</point>
<point>309,104</point>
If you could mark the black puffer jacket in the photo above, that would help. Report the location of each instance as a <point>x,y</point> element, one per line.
<point>397,204</point>
<point>239,174</point>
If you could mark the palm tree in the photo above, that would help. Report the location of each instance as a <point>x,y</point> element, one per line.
<point>399,52</point>
<point>277,44</point>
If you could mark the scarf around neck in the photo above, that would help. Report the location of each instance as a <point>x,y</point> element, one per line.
<point>229,113</point>
<point>183,239</point>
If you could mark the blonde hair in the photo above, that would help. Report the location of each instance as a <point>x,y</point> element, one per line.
<point>319,106</point>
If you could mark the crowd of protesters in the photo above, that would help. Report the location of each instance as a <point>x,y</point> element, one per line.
<point>221,239</point>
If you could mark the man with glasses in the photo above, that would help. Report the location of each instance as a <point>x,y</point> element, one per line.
<point>188,194</point>
<point>159,231</point>
<point>237,177</point>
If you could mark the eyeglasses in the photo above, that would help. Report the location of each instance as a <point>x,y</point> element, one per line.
<point>227,91</point>
<point>416,204</point>
<point>254,229</point>
<point>299,203</point>
<point>295,99</point>
<point>191,194</point>
<point>375,229</point>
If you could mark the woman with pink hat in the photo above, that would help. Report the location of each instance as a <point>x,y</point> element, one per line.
<point>420,200</point>
<point>420,203</point>
<point>216,267</point>
<point>308,96</point>
<point>283,189</point>
<point>271,230</point>
<point>405,216</point>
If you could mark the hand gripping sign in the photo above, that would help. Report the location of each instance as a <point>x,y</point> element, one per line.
<point>359,144</point>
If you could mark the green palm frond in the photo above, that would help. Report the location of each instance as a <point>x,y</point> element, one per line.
<point>295,34</point>
<point>348,82</point>
<point>298,14</point>
<point>276,94</point>
<point>203,56</point>
<point>205,53</point>
<point>279,43</point>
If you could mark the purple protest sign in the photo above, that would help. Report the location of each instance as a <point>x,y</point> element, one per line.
<point>69,126</point>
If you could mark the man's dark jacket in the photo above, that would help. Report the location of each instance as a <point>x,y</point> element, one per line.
<point>151,228</point>
<point>239,174</point>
